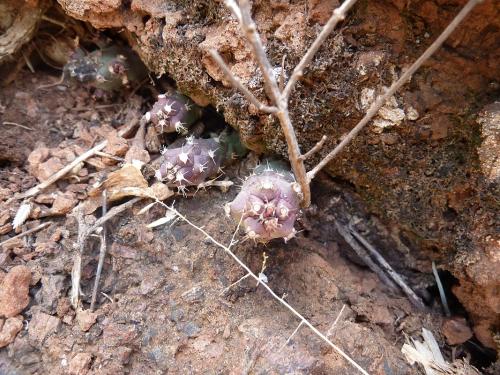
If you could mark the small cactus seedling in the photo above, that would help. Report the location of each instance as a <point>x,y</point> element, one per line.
<point>197,160</point>
<point>268,203</point>
<point>109,69</point>
<point>175,113</point>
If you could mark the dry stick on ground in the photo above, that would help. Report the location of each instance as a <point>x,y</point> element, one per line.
<point>25,233</point>
<point>377,104</point>
<point>65,170</point>
<point>442,294</point>
<point>102,252</point>
<point>227,249</point>
<point>84,231</point>
<point>361,252</point>
<point>416,300</point>
<point>280,98</point>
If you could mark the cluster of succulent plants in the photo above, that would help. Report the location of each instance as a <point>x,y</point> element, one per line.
<point>268,203</point>
<point>110,68</point>
<point>198,159</point>
<point>173,113</point>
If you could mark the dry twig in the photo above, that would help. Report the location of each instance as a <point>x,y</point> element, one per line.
<point>280,97</point>
<point>84,231</point>
<point>387,268</point>
<point>363,255</point>
<point>102,253</point>
<point>25,233</point>
<point>377,104</point>
<point>61,173</point>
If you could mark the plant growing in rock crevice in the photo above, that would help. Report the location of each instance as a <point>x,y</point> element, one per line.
<point>279,93</point>
<point>110,68</point>
<point>173,113</point>
<point>268,203</point>
<point>198,159</point>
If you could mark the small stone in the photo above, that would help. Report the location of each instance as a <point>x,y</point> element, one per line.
<point>176,315</point>
<point>47,169</point>
<point>115,334</point>
<point>456,331</point>
<point>389,138</point>
<point>190,329</point>
<point>394,115</point>
<point>117,145</point>
<point>14,291</point>
<point>63,203</point>
<point>85,319</point>
<point>41,326</point>
<point>80,364</point>
<point>411,114</point>
<point>52,288</point>
<point>194,295</point>
<point>10,329</point>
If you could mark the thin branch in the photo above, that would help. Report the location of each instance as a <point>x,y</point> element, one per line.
<point>84,232</point>
<point>102,253</point>
<point>237,84</point>
<point>16,124</point>
<point>293,334</point>
<point>315,149</point>
<point>65,170</point>
<point>250,30</point>
<point>269,290</point>
<point>442,294</point>
<point>25,233</point>
<point>329,332</point>
<point>416,300</point>
<point>377,104</point>
<point>251,33</point>
<point>363,255</point>
<point>337,16</point>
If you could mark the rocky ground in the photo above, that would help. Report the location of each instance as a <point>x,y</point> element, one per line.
<point>421,184</point>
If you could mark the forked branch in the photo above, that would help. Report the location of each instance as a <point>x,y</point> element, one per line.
<point>279,98</point>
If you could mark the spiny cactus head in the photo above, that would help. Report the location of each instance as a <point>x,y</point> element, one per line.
<point>175,113</point>
<point>267,205</point>
<point>191,164</point>
<point>110,68</point>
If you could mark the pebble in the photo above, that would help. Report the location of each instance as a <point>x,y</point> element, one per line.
<point>194,295</point>
<point>14,291</point>
<point>456,331</point>
<point>79,364</point>
<point>9,330</point>
<point>41,326</point>
<point>85,319</point>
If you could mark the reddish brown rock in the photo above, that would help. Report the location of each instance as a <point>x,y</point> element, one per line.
<point>80,364</point>
<point>42,326</point>
<point>14,291</point>
<point>10,329</point>
<point>85,319</point>
<point>456,331</point>
<point>63,203</point>
<point>48,168</point>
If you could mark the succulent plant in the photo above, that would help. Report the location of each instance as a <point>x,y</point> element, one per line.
<point>268,203</point>
<point>198,159</point>
<point>173,113</point>
<point>109,69</point>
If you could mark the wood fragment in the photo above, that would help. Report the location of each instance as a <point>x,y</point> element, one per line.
<point>25,233</point>
<point>412,296</point>
<point>102,253</point>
